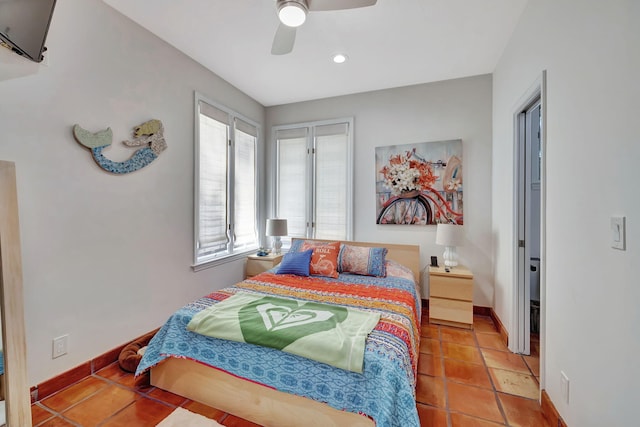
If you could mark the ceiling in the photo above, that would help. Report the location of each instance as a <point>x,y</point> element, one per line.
<point>394,43</point>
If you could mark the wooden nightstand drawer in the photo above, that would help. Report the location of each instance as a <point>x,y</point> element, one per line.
<point>446,310</point>
<point>451,296</point>
<point>257,264</point>
<point>451,287</point>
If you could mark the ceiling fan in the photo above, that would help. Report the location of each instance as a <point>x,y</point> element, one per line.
<point>293,13</point>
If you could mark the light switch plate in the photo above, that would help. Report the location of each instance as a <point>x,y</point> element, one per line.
<point>564,386</point>
<point>618,232</point>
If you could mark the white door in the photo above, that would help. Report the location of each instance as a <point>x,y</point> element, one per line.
<point>529,214</point>
<point>528,230</point>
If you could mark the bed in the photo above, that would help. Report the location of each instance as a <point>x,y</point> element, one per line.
<point>273,388</point>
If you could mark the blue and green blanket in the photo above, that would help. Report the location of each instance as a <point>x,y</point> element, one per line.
<point>331,334</point>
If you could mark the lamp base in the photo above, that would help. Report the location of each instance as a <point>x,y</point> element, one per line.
<point>277,245</point>
<point>450,256</point>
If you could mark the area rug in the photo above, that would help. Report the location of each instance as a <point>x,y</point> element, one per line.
<point>183,418</point>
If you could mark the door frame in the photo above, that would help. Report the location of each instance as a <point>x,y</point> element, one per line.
<point>519,334</point>
<point>16,385</point>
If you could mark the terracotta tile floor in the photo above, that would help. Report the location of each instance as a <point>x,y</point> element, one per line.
<point>467,378</point>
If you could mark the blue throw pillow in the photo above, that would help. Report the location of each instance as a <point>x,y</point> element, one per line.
<point>295,263</point>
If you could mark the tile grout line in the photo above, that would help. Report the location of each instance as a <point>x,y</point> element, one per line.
<point>56,414</point>
<point>522,358</point>
<point>530,369</point>
<point>110,417</point>
<point>158,400</point>
<point>53,414</point>
<point>538,399</point>
<point>140,395</point>
<point>108,381</point>
<point>493,386</point>
<point>444,379</point>
<point>73,405</point>
<point>146,395</point>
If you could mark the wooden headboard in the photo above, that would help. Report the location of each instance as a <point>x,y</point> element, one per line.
<point>407,255</point>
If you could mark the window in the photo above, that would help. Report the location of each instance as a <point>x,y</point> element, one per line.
<point>226,208</point>
<point>314,177</point>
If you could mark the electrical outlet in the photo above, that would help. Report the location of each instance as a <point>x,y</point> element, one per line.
<point>564,386</point>
<point>60,345</point>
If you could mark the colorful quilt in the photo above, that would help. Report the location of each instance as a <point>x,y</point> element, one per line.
<point>384,391</point>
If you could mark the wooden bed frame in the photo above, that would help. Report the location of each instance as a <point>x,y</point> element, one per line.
<point>258,403</point>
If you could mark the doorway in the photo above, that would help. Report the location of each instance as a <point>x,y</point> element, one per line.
<point>529,215</point>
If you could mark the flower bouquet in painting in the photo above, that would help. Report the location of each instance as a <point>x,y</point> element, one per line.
<point>407,173</point>
<point>419,183</point>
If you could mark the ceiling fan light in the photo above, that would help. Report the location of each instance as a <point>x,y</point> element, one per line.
<point>292,13</point>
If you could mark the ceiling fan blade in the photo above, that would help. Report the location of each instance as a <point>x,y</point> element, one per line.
<point>315,5</point>
<point>283,40</point>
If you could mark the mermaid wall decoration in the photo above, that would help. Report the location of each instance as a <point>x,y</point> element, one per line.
<point>149,135</point>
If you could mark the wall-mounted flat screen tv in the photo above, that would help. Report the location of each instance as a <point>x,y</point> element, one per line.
<point>24,25</point>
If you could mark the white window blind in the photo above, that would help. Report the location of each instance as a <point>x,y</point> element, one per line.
<point>213,186</point>
<point>245,186</point>
<point>331,168</point>
<point>292,180</point>
<point>314,179</point>
<point>226,183</point>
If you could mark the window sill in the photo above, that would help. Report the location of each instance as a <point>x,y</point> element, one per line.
<point>215,261</point>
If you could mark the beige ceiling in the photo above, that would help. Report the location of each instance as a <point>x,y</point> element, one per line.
<point>394,43</point>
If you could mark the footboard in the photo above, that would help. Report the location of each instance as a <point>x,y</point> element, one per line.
<point>248,400</point>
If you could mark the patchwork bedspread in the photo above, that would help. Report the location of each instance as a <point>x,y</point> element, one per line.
<point>385,391</point>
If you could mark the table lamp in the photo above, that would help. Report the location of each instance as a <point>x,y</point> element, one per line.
<point>449,236</point>
<point>276,228</point>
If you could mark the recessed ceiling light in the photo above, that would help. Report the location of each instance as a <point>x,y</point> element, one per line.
<point>339,58</point>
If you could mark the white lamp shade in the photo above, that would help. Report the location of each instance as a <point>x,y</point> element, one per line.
<point>449,235</point>
<point>276,227</point>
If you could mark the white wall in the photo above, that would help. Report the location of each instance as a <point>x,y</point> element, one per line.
<point>106,258</point>
<point>430,112</point>
<point>590,50</point>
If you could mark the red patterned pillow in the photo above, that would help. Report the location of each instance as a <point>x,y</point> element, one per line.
<point>324,261</point>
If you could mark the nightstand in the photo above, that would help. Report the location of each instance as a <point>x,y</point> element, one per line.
<point>451,296</point>
<point>259,264</point>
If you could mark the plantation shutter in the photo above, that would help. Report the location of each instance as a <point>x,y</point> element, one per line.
<point>227,156</point>
<point>245,203</point>
<point>214,137</point>
<point>314,178</point>
<point>331,169</point>
<point>292,179</point>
